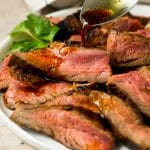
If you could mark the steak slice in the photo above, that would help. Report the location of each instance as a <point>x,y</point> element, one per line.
<point>127,24</point>
<point>76,99</point>
<point>69,26</point>
<point>21,79</point>
<point>39,94</point>
<point>75,38</point>
<point>128,49</point>
<point>49,94</point>
<point>97,36</point>
<point>144,20</point>
<point>145,33</point>
<point>71,128</point>
<point>123,118</point>
<point>4,73</point>
<point>136,86</point>
<point>69,63</point>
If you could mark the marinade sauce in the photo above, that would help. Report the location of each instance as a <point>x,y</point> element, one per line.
<point>96,16</point>
<point>93,17</point>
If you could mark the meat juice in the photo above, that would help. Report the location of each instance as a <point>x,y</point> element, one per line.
<point>92,18</point>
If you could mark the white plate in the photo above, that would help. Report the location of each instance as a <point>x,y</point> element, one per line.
<point>38,140</point>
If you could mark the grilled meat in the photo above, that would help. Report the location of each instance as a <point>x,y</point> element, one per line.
<point>145,33</point>
<point>136,86</point>
<point>69,63</point>
<point>127,24</point>
<point>70,127</point>
<point>21,79</point>
<point>49,94</point>
<point>25,78</point>
<point>128,49</point>
<point>4,73</point>
<point>123,118</point>
<point>145,70</point>
<point>76,99</point>
<point>69,26</point>
<point>69,112</point>
<point>143,20</point>
<point>75,38</point>
<point>96,37</point>
<point>38,94</point>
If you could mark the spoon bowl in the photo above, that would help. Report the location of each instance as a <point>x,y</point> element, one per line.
<point>117,7</point>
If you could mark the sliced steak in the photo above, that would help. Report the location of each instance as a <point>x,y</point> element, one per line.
<point>69,63</point>
<point>75,38</point>
<point>49,94</point>
<point>123,118</point>
<point>144,20</point>
<point>136,86</point>
<point>38,94</point>
<point>68,26</point>
<point>71,128</point>
<point>145,33</point>
<point>76,99</point>
<point>21,78</point>
<point>127,24</point>
<point>25,78</point>
<point>145,70</point>
<point>128,49</point>
<point>4,73</point>
<point>95,37</point>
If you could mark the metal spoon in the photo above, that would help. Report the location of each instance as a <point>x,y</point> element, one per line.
<point>118,8</point>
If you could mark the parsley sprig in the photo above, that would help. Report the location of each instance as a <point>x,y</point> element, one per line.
<point>34,33</point>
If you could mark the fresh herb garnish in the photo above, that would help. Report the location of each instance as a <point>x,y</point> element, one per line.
<point>34,33</point>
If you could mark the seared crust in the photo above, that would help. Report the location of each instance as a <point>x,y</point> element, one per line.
<point>72,128</point>
<point>123,118</point>
<point>128,49</point>
<point>68,63</point>
<point>136,86</point>
<point>39,94</point>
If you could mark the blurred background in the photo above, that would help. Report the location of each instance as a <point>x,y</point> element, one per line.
<point>13,11</point>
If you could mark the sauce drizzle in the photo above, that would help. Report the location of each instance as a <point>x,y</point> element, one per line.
<point>93,17</point>
<point>96,16</point>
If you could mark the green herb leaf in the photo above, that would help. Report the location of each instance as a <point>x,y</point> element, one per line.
<point>51,35</point>
<point>26,45</point>
<point>21,32</point>
<point>34,33</point>
<point>38,25</point>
